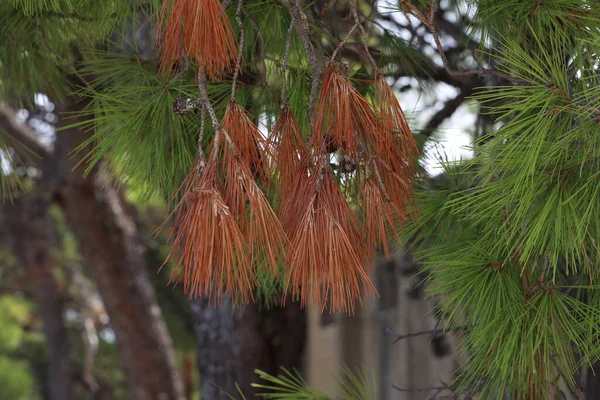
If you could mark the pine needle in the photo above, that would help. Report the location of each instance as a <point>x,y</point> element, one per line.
<point>198,30</point>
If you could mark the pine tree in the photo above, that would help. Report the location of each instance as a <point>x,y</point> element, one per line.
<point>508,240</point>
<point>287,162</point>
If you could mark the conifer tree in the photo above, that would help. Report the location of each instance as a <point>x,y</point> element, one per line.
<point>287,163</point>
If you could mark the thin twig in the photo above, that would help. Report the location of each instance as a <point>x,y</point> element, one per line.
<point>363,36</point>
<point>429,22</point>
<point>259,35</point>
<point>301,25</point>
<point>284,65</point>
<point>261,41</point>
<point>439,389</point>
<point>201,156</point>
<point>236,73</point>
<point>67,64</point>
<point>343,42</point>
<point>436,394</point>
<point>206,99</point>
<point>213,116</point>
<point>544,270</point>
<point>540,281</point>
<point>435,329</point>
<point>362,149</point>
<point>399,337</point>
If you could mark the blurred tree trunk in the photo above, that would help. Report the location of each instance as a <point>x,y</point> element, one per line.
<point>591,383</point>
<point>109,243</point>
<point>232,343</point>
<point>30,229</point>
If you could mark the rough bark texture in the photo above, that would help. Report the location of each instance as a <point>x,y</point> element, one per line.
<point>109,243</point>
<point>233,343</point>
<point>29,230</point>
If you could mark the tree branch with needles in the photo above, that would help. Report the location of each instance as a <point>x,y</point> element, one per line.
<point>301,24</point>
<point>429,21</point>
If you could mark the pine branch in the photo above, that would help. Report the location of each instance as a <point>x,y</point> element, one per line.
<point>343,42</point>
<point>65,63</point>
<point>238,62</point>
<point>433,332</point>
<point>148,7</point>
<point>261,40</point>
<point>363,36</point>
<point>218,129</point>
<point>428,19</point>
<point>301,24</point>
<point>284,65</point>
<point>205,99</point>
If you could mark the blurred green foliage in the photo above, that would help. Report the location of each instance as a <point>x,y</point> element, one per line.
<point>23,354</point>
<point>17,381</point>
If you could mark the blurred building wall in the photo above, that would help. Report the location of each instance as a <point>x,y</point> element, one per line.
<point>364,340</point>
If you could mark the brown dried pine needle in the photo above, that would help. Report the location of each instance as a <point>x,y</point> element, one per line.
<point>198,30</point>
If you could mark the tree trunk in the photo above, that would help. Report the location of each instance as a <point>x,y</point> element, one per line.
<point>30,230</point>
<point>109,243</point>
<point>590,386</point>
<point>233,343</point>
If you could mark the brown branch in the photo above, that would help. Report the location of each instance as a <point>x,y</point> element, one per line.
<point>206,100</point>
<point>399,337</point>
<point>434,396</point>
<point>24,135</point>
<point>218,129</point>
<point>211,112</point>
<point>238,63</point>
<point>301,25</point>
<point>447,111</point>
<point>363,37</point>
<point>453,30</point>
<point>284,66</point>
<point>429,21</point>
<point>261,42</point>
<point>201,156</point>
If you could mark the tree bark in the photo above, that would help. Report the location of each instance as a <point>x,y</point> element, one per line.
<point>233,343</point>
<point>109,243</point>
<point>30,229</point>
